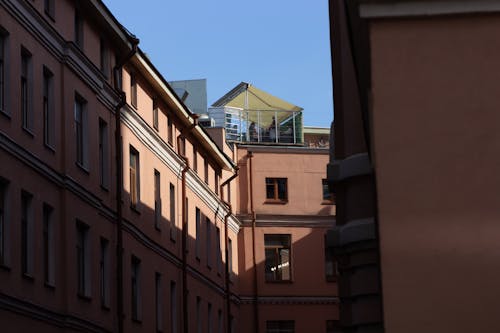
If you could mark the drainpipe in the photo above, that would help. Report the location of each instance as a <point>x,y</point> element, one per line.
<point>185,132</point>
<point>255,284</point>
<point>226,242</point>
<point>119,182</point>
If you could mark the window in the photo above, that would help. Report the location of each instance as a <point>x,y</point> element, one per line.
<point>218,254</point>
<point>133,90</point>
<point>81,131</point>
<point>173,231</point>
<point>195,158</point>
<point>49,8</point>
<point>3,69</point>
<point>78,29</point>
<point>48,107</point>
<point>230,255</point>
<point>135,287</point>
<point>229,192</point>
<point>26,234</point>
<point>103,154</point>
<point>199,323</point>
<point>277,248</point>
<point>208,231</point>
<point>104,273</point>
<point>276,189</point>
<point>330,264</point>
<point>157,199</point>
<point>210,320</point>
<point>48,245</point>
<point>206,169</point>
<point>158,303</point>
<point>170,131</point>
<point>331,326</point>
<point>83,259</point>
<point>105,68</point>
<point>280,326</point>
<point>216,178</point>
<point>155,113</point>
<point>328,197</point>
<point>182,147</point>
<point>173,307</point>
<point>26,107</point>
<point>220,324</point>
<point>198,233</point>
<point>3,223</point>
<point>134,177</point>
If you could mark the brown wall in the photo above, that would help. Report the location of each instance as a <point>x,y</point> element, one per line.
<point>436,142</point>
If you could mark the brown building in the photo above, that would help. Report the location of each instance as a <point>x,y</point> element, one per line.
<point>120,213</point>
<point>414,165</point>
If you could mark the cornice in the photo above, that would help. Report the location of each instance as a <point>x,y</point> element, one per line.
<point>291,300</point>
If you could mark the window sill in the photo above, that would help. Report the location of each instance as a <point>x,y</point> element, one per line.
<point>50,16</point>
<point>105,307</point>
<point>84,297</point>
<point>135,208</point>
<point>5,267</point>
<point>330,280</point>
<point>157,227</point>
<point>83,168</point>
<point>5,114</point>
<point>49,147</point>
<point>327,202</point>
<point>104,188</point>
<point>49,285</point>
<point>137,321</point>
<point>275,202</point>
<point>28,277</point>
<point>280,281</point>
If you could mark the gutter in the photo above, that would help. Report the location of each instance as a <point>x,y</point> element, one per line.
<point>183,134</point>
<point>119,181</point>
<point>226,243</point>
<point>255,284</point>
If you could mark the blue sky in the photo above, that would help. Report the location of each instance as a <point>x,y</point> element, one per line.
<point>280,46</point>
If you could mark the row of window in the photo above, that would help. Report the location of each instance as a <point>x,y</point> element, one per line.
<point>278,263</point>
<point>277,191</point>
<point>209,323</point>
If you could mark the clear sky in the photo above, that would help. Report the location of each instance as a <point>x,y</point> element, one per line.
<point>280,46</point>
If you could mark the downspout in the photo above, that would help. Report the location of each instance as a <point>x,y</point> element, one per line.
<point>119,181</point>
<point>183,134</point>
<point>255,284</point>
<point>226,242</point>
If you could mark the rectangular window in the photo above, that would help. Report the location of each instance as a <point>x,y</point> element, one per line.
<point>133,90</point>
<point>103,154</point>
<point>104,273</point>
<point>81,131</point>
<point>157,190</point>
<point>155,113</point>
<point>135,288</point>
<point>218,253</point>
<point>158,303</point>
<point>198,233</point>
<point>26,107</point>
<point>208,234</point>
<point>170,131</point>
<point>230,255</point>
<point>199,323</point>
<point>78,29</point>
<point>276,189</point>
<point>134,177</point>
<point>210,320</point>
<point>277,248</point>
<point>105,67</point>
<point>205,166</point>
<point>220,324</point>
<point>330,264</point>
<point>173,307</point>
<point>195,158</point>
<point>327,196</point>
<point>26,234</point>
<point>280,326</point>
<point>48,245</point>
<point>3,56</point>
<point>3,223</point>
<point>173,230</point>
<point>48,107</point>
<point>216,181</point>
<point>83,259</point>
<point>182,147</point>
<point>49,8</point>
